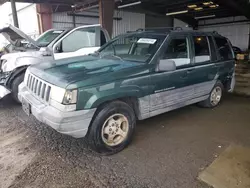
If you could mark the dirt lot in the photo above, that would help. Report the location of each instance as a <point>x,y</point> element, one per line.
<point>168,150</point>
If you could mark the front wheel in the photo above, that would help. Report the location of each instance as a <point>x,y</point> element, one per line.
<point>14,87</point>
<point>215,96</point>
<point>112,128</point>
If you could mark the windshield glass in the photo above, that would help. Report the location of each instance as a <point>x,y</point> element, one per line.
<point>46,38</point>
<point>139,47</point>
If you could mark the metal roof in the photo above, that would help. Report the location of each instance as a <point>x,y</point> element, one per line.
<point>59,2</point>
<point>222,8</point>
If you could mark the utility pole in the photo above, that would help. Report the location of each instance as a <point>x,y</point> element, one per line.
<point>14,13</point>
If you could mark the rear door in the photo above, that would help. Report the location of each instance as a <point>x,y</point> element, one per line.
<point>226,61</point>
<point>204,72</point>
<point>80,41</point>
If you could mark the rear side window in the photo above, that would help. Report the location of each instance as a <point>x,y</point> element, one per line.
<point>202,52</point>
<point>224,49</point>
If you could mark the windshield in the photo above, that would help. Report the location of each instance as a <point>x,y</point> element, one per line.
<point>46,38</point>
<point>139,47</point>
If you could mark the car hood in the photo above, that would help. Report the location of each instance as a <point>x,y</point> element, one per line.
<point>83,71</point>
<point>13,34</point>
<point>11,63</point>
<point>16,55</point>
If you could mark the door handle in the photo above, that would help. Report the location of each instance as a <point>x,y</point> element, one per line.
<point>184,76</point>
<point>190,71</point>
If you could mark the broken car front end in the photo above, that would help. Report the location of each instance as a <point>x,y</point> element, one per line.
<point>4,76</point>
<point>11,68</point>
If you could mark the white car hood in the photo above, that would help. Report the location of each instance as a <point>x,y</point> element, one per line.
<point>13,34</point>
<point>10,61</point>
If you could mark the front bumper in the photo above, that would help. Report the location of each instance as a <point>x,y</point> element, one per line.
<point>75,123</point>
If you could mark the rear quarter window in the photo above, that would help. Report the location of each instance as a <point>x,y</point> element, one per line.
<point>202,51</point>
<point>224,48</point>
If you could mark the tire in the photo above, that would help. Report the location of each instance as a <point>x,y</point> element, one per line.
<point>208,103</point>
<point>14,87</point>
<point>103,128</point>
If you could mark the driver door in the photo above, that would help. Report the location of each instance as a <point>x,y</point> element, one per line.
<point>172,89</point>
<point>80,41</point>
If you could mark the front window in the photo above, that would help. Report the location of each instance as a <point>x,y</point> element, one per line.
<point>45,39</point>
<point>133,47</point>
<point>80,38</point>
<point>178,51</point>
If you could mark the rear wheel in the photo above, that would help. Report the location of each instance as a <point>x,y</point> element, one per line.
<point>112,128</point>
<point>215,96</point>
<point>14,87</point>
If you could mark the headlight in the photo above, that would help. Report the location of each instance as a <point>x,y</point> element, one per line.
<point>70,97</point>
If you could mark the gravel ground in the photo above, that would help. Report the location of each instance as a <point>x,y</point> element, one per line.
<point>168,150</point>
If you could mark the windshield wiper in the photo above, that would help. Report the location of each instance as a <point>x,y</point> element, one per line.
<point>30,45</point>
<point>112,55</point>
<point>96,54</point>
<point>118,57</point>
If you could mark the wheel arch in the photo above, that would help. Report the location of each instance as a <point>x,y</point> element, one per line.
<point>17,72</point>
<point>132,101</point>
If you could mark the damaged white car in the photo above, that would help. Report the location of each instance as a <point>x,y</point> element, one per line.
<point>53,44</point>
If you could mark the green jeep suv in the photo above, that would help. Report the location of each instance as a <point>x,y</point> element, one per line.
<point>133,77</point>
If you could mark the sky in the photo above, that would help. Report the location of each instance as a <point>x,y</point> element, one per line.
<point>5,10</point>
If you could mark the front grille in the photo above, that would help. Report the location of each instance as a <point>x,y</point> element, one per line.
<point>38,87</point>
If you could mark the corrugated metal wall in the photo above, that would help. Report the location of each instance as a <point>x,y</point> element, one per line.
<point>61,20</point>
<point>129,21</point>
<point>238,33</point>
<point>28,22</point>
<point>65,21</point>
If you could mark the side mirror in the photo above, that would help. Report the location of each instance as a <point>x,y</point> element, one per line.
<point>45,51</point>
<point>58,48</point>
<point>166,65</point>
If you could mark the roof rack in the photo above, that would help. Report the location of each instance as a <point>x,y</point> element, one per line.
<point>159,29</point>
